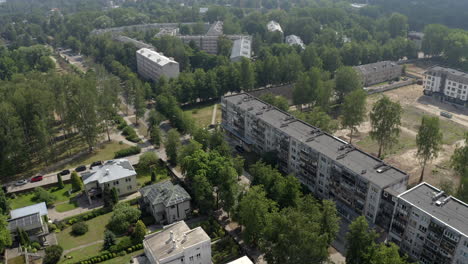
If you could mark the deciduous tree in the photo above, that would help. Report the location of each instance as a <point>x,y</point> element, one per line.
<point>428,140</point>
<point>171,144</point>
<point>354,111</point>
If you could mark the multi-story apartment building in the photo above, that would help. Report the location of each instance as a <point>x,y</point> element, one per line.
<point>330,167</point>
<point>430,226</point>
<point>208,43</point>
<point>447,85</point>
<point>295,40</point>
<point>152,65</point>
<point>274,26</point>
<point>241,48</point>
<point>378,72</point>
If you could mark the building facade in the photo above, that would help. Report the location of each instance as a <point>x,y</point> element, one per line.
<point>447,85</point>
<point>241,48</point>
<point>295,40</point>
<point>168,203</point>
<point>330,167</point>
<point>178,244</point>
<point>208,43</point>
<point>118,174</point>
<point>32,219</point>
<point>430,226</point>
<point>152,65</point>
<point>378,72</point>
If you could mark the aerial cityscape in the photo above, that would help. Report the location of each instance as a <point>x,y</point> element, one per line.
<point>234,132</point>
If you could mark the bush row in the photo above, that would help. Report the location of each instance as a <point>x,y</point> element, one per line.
<point>127,152</point>
<point>130,134</point>
<point>106,255</point>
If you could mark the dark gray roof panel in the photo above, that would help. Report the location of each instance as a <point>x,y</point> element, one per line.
<point>165,193</point>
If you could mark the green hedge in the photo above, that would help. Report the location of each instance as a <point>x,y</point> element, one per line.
<point>130,134</point>
<point>127,152</point>
<point>120,122</point>
<point>108,255</point>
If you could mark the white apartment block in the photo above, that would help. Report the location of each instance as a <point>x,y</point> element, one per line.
<point>295,40</point>
<point>447,85</point>
<point>330,167</point>
<point>430,226</point>
<point>178,244</point>
<point>274,26</point>
<point>152,65</point>
<point>241,48</point>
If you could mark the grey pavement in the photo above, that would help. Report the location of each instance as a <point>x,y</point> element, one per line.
<point>213,116</point>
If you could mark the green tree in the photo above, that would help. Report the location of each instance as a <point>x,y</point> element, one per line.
<point>387,254</point>
<point>77,183</point>
<point>148,160</point>
<point>329,221</point>
<point>23,237</point>
<point>360,241</point>
<point>254,211</point>
<point>459,162</point>
<point>124,216</point>
<point>434,36</point>
<point>4,203</point>
<point>139,233</point>
<point>53,254</point>
<point>59,181</point>
<point>41,195</point>
<point>228,189</point>
<point>109,239</point>
<point>318,118</point>
<point>247,75</point>
<point>153,175</point>
<point>354,111</point>
<point>5,236</point>
<point>428,140</point>
<point>203,192</point>
<point>155,136</point>
<point>278,101</point>
<point>397,25</point>
<point>347,80</point>
<point>107,198</point>
<point>172,143</point>
<point>385,120</point>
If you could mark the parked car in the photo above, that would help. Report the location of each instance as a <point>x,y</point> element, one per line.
<point>64,172</point>
<point>37,178</point>
<point>80,168</point>
<point>21,182</point>
<point>240,149</point>
<point>96,163</point>
<point>445,114</point>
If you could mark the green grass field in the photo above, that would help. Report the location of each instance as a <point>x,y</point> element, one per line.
<point>96,230</point>
<point>202,114</point>
<point>26,199</point>
<point>16,260</point>
<point>405,142</point>
<point>124,259</point>
<point>81,254</point>
<point>143,177</point>
<point>66,206</point>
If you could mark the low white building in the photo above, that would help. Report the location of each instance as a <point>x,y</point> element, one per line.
<point>273,26</point>
<point>118,174</point>
<point>178,244</point>
<point>152,65</point>
<point>241,48</point>
<point>167,202</point>
<point>243,260</point>
<point>295,40</point>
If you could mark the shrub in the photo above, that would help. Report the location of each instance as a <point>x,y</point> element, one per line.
<point>127,152</point>
<point>41,195</point>
<point>53,254</point>
<point>120,122</point>
<point>125,243</point>
<point>130,134</point>
<point>147,160</point>
<point>124,216</point>
<point>79,228</point>
<point>36,245</point>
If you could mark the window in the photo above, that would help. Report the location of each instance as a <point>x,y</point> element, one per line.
<point>129,187</point>
<point>128,179</point>
<point>191,258</point>
<point>116,183</point>
<point>198,255</point>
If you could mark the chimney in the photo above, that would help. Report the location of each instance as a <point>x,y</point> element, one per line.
<point>185,238</point>
<point>107,172</point>
<point>174,244</point>
<point>171,235</point>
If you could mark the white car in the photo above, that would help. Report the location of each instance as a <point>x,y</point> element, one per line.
<point>21,182</point>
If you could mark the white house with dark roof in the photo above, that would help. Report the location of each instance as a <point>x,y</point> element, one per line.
<point>177,243</point>
<point>32,219</point>
<point>167,202</point>
<point>118,174</point>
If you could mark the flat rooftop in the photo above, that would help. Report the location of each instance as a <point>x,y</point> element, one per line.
<point>377,66</point>
<point>450,210</point>
<point>359,162</point>
<point>110,171</point>
<point>40,208</point>
<point>243,260</point>
<point>155,56</point>
<point>161,245</point>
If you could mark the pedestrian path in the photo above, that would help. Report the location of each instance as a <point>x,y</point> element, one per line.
<point>65,252</point>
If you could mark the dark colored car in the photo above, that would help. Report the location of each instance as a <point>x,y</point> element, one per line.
<point>37,178</point>
<point>240,149</point>
<point>80,168</point>
<point>96,163</point>
<point>64,172</point>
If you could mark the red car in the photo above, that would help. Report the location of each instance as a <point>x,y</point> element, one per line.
<point>36,178</point>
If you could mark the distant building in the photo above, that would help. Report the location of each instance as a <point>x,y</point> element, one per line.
<point>216,29</point>
<point>274,26</point>
<point>203,42</point>
<point>152,65</point>
<point>138,44</point>
<point>167,32</point>
<point>241,48</point>
<point>430,226</point>
<point>378,72</point>
<point>177,243</point>
<point>295,40</point>
<point>32,220</point>
<point>118,174</point>
<point>167,202</point>
<point>203,10</point>
<point>243,260</point>
<point>358,6</point>
<point>417,38</point>
<point>447,85</point>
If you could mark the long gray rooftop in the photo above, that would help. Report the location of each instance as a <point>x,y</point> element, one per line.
<point>377,66</point>
<point>358,161</point>
<point>241,48</point>
<point>110,171</point>
<point>457,75</point>
<point>449,210</point>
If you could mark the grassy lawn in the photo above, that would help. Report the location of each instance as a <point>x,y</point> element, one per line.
<point>141,128</point>
<point>124,259</point>
<point>16,260</point>
<point>405,142</point>
<point>104,152</point>
<point>66,206</point>
<point>82,253</point>
<point>96,230</point>
<point>201,114</point>
<point>144,176</point>
<point>61,195</point>
<point>452,131</point>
